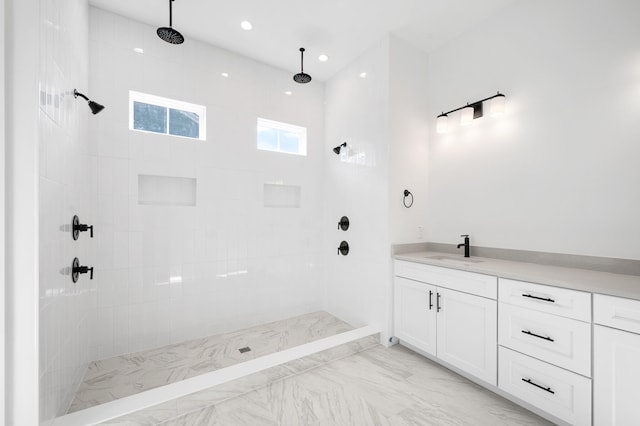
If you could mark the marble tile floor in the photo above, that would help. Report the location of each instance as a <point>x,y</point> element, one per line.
<point>113,378</point>
<point>378,386</point>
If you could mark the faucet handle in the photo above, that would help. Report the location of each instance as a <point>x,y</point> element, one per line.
<point>465,235</point>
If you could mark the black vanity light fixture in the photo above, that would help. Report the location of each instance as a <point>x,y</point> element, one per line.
<point>471,111</point>
<point>338,148</point>
<point>94,106</point>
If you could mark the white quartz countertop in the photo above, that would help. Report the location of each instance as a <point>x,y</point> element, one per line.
<point>577,279</point>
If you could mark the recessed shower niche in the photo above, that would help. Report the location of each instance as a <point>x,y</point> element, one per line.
<point>166,190</point>
<point>279,195</point>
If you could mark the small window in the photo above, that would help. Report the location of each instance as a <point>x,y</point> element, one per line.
<point>281,137</point>
<point>149,113</point>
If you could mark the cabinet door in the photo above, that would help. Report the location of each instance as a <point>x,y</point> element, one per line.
<point>467,333</point>
<point>414,314</point>
<point>616,374</point>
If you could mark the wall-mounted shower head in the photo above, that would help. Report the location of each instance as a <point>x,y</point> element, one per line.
<point>168,34</point>
<point>301,77</point>
<point>94,106</point>
<point>338,148</point>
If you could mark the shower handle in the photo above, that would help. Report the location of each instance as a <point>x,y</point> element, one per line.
<point>77,269</point>
<point>77,227</point>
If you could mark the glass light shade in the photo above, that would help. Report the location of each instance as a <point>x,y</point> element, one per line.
<point>442,124</point>
<point>497,105</point>
<point>466,116</point>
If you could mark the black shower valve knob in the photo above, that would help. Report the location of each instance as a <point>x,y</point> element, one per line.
<point>344,223</point>
<point>77,269</point>
<point>78,227</point>
<point>343,249</point>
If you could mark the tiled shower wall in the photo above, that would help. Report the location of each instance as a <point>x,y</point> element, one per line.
<point>66,182</point>
<point>170,273</point>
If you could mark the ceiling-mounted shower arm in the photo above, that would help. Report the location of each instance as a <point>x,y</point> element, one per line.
<point>302,60</point>
<point>171,13</point>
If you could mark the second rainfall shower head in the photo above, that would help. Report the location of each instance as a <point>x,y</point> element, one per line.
<point>169,34</point>
<point>301,77</point>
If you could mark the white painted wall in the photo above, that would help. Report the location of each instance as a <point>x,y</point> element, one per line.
<point>559,171</point>
<point>2,215</point>
<point>21,244</point>
<point>167,274</point>
<point>409,132</point>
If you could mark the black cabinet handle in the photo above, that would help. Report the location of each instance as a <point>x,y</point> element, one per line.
<point>537,385</point>
<point>544,299</point>
<point>438,302</point>
<point>430,299</point>
<point>538,336</point>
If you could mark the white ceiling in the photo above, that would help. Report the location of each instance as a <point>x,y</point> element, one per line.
<point>342,29</point>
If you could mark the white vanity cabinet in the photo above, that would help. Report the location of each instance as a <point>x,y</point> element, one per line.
<point>544,335</point>
<point>449,314</point>
<point>616,361</point>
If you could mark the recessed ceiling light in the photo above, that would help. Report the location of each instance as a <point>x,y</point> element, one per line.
<point>138,49</point>
<point>363,75</point>
<point>288,93</point>
<point>224,74</point>
<point>246,25</point>
<point>323,58</point>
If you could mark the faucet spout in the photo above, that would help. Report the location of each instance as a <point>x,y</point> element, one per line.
<point>465,245</point>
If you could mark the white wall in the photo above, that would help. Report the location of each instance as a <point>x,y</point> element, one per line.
<point>21,212</point>
<point>409,119</point>
<point>66,181</point>
<point>2,215</point>
<point>167,274</point>
<point>558,172</point>
<point>357,111</point>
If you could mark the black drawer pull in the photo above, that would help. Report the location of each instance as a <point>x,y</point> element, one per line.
<point>544,299</point>
<point>537,385</point>
<point>438,307</point>
<point>538,336</point>
<point>430,299</point>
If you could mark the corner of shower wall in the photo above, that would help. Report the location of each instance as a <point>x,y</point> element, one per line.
<point>67,176</point>
<point>357,112</point>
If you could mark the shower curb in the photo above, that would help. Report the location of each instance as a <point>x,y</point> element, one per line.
<point>174,400</point>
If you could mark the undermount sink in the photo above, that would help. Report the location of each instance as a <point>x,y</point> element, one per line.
<point>454,259</point>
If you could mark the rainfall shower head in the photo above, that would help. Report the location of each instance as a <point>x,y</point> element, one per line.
<point>301,77</point>
<point>169,34</point>
<point>338,148</point>
<point>94,106</point>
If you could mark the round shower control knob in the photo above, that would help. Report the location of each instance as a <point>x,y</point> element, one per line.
<point>343,249</point>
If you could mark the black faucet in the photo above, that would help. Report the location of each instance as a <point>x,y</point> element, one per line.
<point>465,244</point>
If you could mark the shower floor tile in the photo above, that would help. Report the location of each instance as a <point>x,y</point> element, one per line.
<point>113,378</point>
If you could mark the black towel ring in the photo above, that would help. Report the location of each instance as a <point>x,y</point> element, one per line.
<point>404,200</point>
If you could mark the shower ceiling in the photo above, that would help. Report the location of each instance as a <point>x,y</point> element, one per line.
<point>342,29</point>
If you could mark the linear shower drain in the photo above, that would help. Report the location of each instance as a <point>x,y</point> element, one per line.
<point>243,350</point>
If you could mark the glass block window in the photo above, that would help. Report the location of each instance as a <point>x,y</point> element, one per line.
<point>149,113</point>
<point>281,137</point>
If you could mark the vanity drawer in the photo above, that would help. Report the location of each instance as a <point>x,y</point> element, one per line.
<point>468,282</point>
<point>617,312</point>
<point>554,300</point>
<point>561,341</point>
<point>559,392</point>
